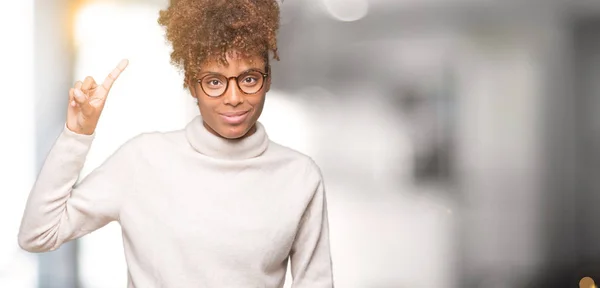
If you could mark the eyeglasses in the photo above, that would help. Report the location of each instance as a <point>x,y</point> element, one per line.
<point>249,82</point>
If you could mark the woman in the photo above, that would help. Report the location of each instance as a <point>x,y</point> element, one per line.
<point>215,204</point>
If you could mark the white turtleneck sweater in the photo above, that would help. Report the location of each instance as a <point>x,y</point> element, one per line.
<point>196,210</point>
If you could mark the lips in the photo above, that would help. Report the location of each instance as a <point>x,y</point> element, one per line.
<point>234,118</point>
<point>233,114</point>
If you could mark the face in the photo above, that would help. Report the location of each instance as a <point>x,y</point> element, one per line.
<point>229,111</point>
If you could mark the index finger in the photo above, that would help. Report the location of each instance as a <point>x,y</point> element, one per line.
<point>110,79</point>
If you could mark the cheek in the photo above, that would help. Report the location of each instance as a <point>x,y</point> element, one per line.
<point>258,105</point>
<point>206,106</point>
<point>258,101</point>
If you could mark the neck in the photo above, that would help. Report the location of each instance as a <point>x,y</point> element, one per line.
<point>207,142</point>
<point>250,132</point>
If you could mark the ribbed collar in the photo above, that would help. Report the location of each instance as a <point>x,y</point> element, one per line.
<point>214,146</point>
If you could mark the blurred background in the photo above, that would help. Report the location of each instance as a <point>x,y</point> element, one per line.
<point>459,139</point>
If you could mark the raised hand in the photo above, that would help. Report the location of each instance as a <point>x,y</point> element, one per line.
<point>86,101</point>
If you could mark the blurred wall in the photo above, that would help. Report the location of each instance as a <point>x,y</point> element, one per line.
<point>587,41</point>
<point>54,61</point>
<point>17,268</point>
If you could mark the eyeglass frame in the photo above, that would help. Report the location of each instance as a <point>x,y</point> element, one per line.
<point>265,75</point>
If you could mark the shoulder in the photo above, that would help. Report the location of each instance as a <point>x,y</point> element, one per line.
<point>157,138</point>
<point>305,175</point>
<point>302,163</point>
<point>154,141</point>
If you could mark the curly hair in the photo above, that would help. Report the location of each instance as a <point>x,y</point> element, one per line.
<point>205,30</point>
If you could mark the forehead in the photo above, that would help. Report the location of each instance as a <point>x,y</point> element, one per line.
<point>236,62</point>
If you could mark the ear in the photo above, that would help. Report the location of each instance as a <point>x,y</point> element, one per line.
<point>268,84</point>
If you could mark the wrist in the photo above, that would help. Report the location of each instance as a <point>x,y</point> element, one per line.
<point>80,130</point>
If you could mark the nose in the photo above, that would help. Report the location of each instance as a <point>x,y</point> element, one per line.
<point>233,96</point>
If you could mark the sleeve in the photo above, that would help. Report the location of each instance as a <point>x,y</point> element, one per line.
<point>310,257</point>
<point>59,210</point>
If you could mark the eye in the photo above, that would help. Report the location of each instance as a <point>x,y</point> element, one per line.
<point>250,80</point>
<point>212,83</point>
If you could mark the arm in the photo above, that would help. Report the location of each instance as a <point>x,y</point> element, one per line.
<point>58,210</point>
<point>310,256</point>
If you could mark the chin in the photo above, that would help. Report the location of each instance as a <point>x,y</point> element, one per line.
<point>234,132</point>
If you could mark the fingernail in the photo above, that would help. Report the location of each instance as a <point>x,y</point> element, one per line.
<point>77,92</point>
<point>73,104</point>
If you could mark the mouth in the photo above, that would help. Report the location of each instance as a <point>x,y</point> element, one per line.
<point>234,118</point>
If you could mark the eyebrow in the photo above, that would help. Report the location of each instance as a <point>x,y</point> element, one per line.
<point>247,70</point>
